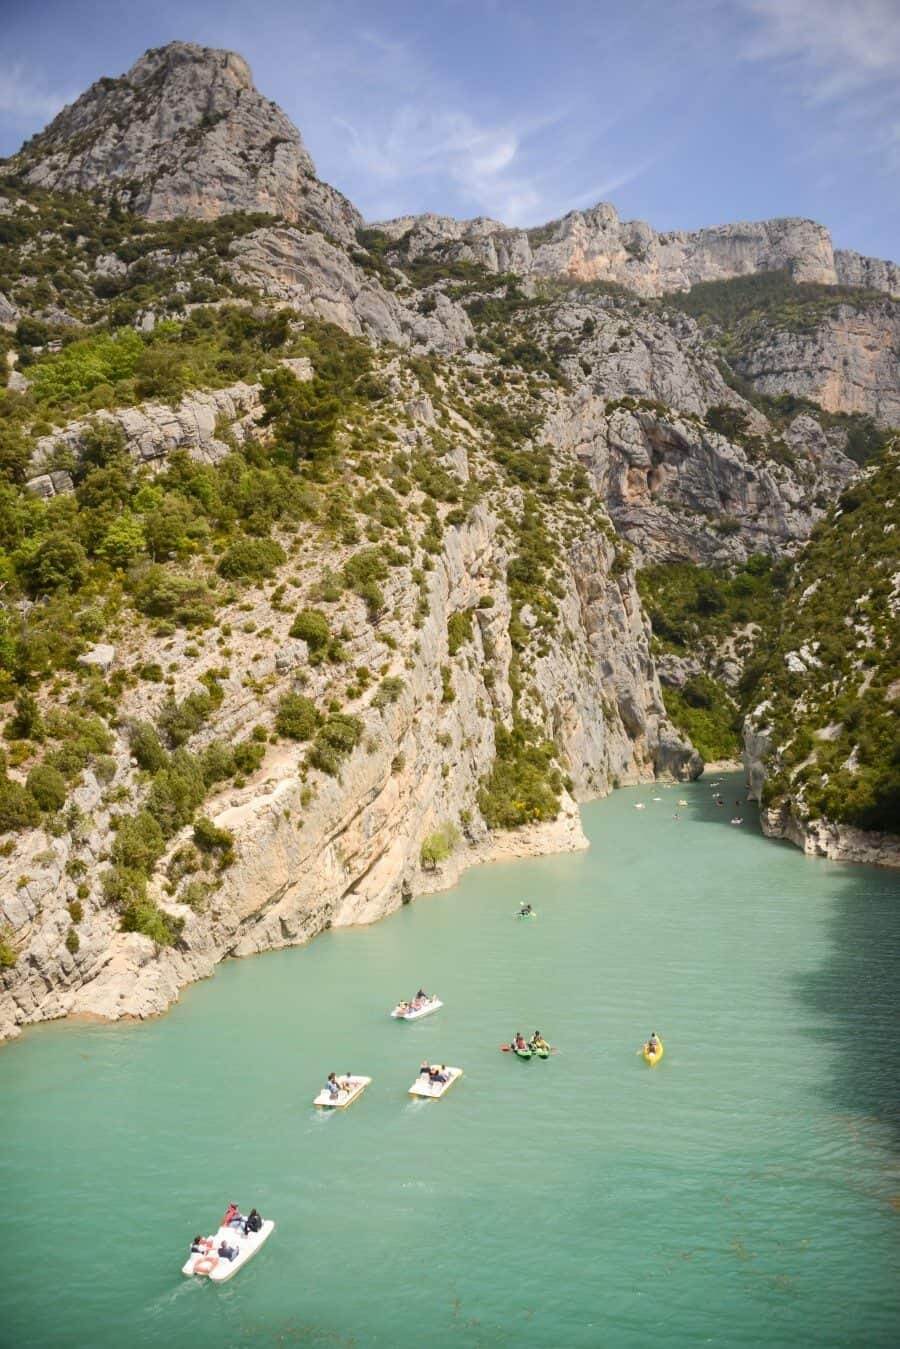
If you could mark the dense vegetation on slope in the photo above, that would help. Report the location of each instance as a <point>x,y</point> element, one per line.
<point>832,682</point>
<point>713,619</point>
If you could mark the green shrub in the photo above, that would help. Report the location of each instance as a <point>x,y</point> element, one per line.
<point>18,808</point>
<point>139,843</point>
<point>248,755</point>
<point>177,791</point>
<point>251,559</point>
<point>8,955</point>
<point>179,721</point>
<point>361,574</point>
<point>160,593</point>
<point>146,746</point>
<point>336,738</point>
<point>76,910</point>
<point>438,846</point>
<point>459,630</point>
<point>48,787</point>
<point>142,915</point>
<point>27,723</point>
<point>311,625</point>
<point>217,762</point>
<point>210,839</point>
<point>297,717</point>
<point>72,941</point>
<point>388,691</point>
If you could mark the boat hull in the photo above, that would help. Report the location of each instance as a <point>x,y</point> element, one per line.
<point>433,1091</point>
<point>426,1009</point>
<point>654,1059</point>
<point>222,1270</point>
<point>344,1099</point>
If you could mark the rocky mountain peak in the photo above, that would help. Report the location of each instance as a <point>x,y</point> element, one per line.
<point>186,133</point>
<point>596,245</point>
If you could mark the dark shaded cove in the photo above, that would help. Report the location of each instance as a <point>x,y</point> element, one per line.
<point>856,998</point>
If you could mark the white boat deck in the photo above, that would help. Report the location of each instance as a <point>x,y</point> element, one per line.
<point>434,1090</point>
<point>352,1088</point>
<point>219,1270</point>
<point>413,1011</point>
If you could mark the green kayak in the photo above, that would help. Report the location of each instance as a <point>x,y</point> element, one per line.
<point>523,1053</point>
<point>542,1053</point>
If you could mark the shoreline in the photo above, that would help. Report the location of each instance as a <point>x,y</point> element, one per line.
<point>161,975</point>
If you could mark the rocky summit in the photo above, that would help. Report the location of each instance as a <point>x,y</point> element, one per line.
<point>338,557</point>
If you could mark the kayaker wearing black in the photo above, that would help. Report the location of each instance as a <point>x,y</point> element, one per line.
<point>524,909</point>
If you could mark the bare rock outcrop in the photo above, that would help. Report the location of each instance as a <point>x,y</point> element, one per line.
<point>185,133</point>
<point>850,362</point>
<point>310,273</point>
<point>595,245</point>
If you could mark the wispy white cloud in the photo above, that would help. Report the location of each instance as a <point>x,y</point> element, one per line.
<point>22,97</point>
<point>835,46</point>
<point>844,59</point>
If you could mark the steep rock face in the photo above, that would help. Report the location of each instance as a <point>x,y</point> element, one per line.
<point>675,488</point>
<point>596,245</point>
<point>309,273</point>
<point>681,492</point>
<point>849,363</point>
<point>870,273</point>
<point>349,851</point>
<point>185,133</point>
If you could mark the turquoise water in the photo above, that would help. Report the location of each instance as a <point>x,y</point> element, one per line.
<point>744,1192</point>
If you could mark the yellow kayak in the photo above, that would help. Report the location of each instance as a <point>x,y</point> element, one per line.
<point>653,1058</point>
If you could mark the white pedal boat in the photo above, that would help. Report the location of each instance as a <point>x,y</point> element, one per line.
<point>414,1011</point>
<point>216,1268</point>
<point>352,1089</point>
<point>433,1090</point>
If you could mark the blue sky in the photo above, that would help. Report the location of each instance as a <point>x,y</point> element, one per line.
<point>684,113</point>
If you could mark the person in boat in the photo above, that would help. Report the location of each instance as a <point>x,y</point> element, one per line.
<point>252,1223</point>
<point>519,1041</point>
<point>403,1008</point>
<point>201,1245</point>
<point>226,1252</point>
<point>233,1217</point>
<point>346,1082</point>
<point>332,1086</point>
<point>653,1043</point>
<point>538,1041</point>
<point>525,910</point>
<point>437,1076</point>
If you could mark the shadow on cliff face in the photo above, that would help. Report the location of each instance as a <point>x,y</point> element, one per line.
<point>856,996</point>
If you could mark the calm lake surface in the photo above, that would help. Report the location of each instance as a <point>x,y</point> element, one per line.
<point>744,1192</point>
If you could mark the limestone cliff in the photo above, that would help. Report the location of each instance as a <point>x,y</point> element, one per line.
<point>595,245</point>
<point>848,362</point>
<point>185,133</point>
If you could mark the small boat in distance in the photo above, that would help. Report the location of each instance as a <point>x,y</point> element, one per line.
<point>350,1088</point>
<point>219,1269</point>
<point>416,1008</point>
